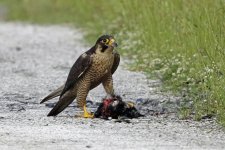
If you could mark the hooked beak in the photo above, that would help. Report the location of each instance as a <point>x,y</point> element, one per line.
<point>112,43</point>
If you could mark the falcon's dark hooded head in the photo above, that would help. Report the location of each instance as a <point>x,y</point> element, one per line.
<point>106,42</point>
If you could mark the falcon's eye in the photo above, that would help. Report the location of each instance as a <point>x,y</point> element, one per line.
<point>105,40</point>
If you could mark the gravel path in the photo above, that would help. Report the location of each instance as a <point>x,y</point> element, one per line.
<point>36,59</point>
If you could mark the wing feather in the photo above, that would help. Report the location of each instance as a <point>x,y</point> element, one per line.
<point>116,61</point>
<point>77,70</point>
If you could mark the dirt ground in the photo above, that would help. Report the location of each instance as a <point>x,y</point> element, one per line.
<point>35,60</point>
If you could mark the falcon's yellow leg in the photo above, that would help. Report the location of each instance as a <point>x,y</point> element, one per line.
<point>87,114</point>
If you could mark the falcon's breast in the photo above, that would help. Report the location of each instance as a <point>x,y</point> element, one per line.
<point>101,66</point>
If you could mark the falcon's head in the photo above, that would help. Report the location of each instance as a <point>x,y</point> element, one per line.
<point>106,42</point>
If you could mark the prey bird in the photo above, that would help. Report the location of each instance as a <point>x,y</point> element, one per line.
<point>92,68</point>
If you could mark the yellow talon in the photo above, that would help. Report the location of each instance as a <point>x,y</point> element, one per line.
<point>86,114</point>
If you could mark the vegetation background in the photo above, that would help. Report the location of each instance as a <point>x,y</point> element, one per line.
<point>182,42</point>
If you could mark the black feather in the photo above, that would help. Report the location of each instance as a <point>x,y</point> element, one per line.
<point>116,61</point>
<point>78,68</point>
<point>63,102</point>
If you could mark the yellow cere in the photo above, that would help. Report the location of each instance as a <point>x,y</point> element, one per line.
<point>111,41</point>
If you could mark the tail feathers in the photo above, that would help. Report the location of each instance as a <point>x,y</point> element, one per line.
<point>63,102</point>
<point>54,94</point>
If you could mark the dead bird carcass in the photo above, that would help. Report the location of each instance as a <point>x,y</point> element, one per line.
<point>116,107</point>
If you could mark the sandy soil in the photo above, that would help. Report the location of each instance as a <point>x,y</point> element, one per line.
<point>35,60</point>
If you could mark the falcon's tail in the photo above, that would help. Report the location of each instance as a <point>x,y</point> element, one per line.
<point>54,94</point>
<point>63,102</point>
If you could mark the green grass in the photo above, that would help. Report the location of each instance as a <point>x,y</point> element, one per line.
<point>181,42</point>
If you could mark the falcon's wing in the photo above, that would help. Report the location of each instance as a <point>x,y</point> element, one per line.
<point>116,61</point>
<point>78,68</point>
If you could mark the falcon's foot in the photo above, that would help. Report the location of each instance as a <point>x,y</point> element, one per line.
<point>86,114</point>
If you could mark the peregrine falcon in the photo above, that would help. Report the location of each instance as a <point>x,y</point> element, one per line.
<point>92,68</point>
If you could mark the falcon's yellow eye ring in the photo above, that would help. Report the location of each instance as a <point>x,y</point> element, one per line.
<point>105,41</point>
